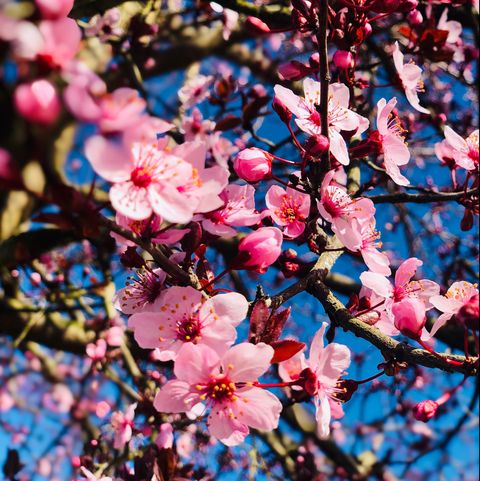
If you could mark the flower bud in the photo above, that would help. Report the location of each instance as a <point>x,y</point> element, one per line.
<point>468,313</point>
<point>317,145</point>
<point>259,249</point>
<point>409,317</point>
<point>37,102</point>
<point>467,220</point>
<point>282,111</point>
<point>256,26</point>
<point>343,59</point>
<point>415,17</point>
<point>53,9</point>
<point>253,164</point>
<point>425,410</point>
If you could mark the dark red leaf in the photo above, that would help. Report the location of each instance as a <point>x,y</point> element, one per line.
<point>227,123</point>
<point>258,320</point>
<point>286,349</point>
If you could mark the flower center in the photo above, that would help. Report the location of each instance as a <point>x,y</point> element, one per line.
<point>189,329</point>
<point>219,390</point>
<point>143,290</point>
<point>141,176</point>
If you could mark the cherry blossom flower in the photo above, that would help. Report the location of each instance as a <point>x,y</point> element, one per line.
<point>395,151</point>
<point>195,90</point>
<point>465,152</point>
<point>340,118</point>
<point>458,298</point>
<point>182,315</point>
<point>410,76</point>
<point>38,102</point>
<point>288,208</point>
<point>105,26</point>
<point>172,184</point>
<point>141,292</point>
<point>164,439</point>
<point>403,287</point>
<point>227,385</point>
<point>409,317</point>
<point>260,249</point>
<point>328,365</point>
<point>239,210</point>
<point>338,208</point>
<point>122,424</point>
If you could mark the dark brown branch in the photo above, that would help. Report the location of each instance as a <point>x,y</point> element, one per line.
<point>424,198</point>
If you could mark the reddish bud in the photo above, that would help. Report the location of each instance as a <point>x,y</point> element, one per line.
<point>468,315</point>
<point>467,220</point>
<point>317,145</point>
<point>415,17</point>
<point>256,26</point>
<point>293,70</point>
<point>409,317</point>
<point>343,59</point>
<point>314,61</point>
<point>425,410</point>
<point>282,111</point>
<point>253,164</point>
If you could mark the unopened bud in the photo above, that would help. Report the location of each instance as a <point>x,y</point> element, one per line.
<point>425,410</point>
<point>256,26</point>
<point>415,17</point>
<point>343,59</point>
<point>317,145</point>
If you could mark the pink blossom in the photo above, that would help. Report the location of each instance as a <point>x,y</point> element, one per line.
<point>456,299</point>
<point>343,59</point>
<point>328,365</point>
<point>60,399</point>
<point>38,102</point>
<point>425,410</point>
<point>115,336</point>
<point>105,26</point>
<point>182,315</point>
<point>174,184</point>
<point>253,164</point>
<point>395,151</point>
<point>288,208</point>
<point>96,350</point>
<point>122,424</point>
<point>465,152</point>
<point>409,317</point>
<point>6,400</point>
<point>410,76</point>
<point>61,41</point>
<point>453,27</point>
<point>340,117</point>
<point>239,210</point>
<point>260,249</point>
<point>195,90</point>
<point>102,408</point>
<point>227,385</point>
<point>337,207</point>
<point>141,292</point>
<point>403,288</point>
<point>164,439</point>
<point>230,21</point>
<point>53,9</point>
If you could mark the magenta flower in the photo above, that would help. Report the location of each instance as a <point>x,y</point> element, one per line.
<point>411,78</point>
<point>338,208</point>
<point>173,184</point>
<point>260,249</point>
<point>227,385</point>
<point>288,208</point>
<point>456,300</point>
<point>141,292</point>
<point>253,164</point>
<point>465,152</point>
<point>395,151</point>
<point>340,117</point>
<point>328,365</point>
<point>403,288</point>
<point>122,424</point>
<point>182,315</point>
<point>239,210</point>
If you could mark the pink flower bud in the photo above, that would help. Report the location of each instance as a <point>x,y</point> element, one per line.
<point>37,102</point>
<point>425,410</point>
<point>409,317</point>
<point>253,164</point>
<point>260,249</point>
<point>343,59</point>
<point>314,61</point>
<point>256,26</point>
<point>317,145</point>
<point>415,17</point>
<point>282,111</point>
<point>468,315</point>
<point>53,9</point>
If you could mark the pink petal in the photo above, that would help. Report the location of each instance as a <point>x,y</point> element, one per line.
<point>395,150</point>
<point>293,102</point>
<point>108,159</point>
<point>225,428</point>
<point>316,348</point>
<point>440,322</point>
<point>195,363</point>
<point>150,328</point>
<point>338,147</point>
<point>247,362</point>
<point>394,173</point>
<point>406,271</point>
<point>170,204</point>
<point>231,307</point>
<point>378,283</point>
<point>412,97</point>
<point>376,261</point>
<point>175,397</point>
<point>129,200</point>
<point>322,415</point>
<point>445,304</point>
<point>334,359</point>
<point>455,140</point>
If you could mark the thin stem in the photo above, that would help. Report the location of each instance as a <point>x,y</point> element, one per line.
<point>286,184</point>
<point>439,356</point>
<point>371,378</point>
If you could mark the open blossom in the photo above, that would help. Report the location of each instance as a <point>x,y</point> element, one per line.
<point>411,78</point>
<point>147,180</point>
<point>461,300</point>
<point>260,249</point>
<point>340,117</point>
<point>395,151</point>
<point>402,288</point>
<point>141,292</point>
<point>288,208</point>
<point>122,424</point>
<point>338,208</point>
<point>182,315</point>
<point>195,90</point>
<point>328,364</point>
<point>465,152</point>
<point>239,210</point>
<point>227,385</point>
